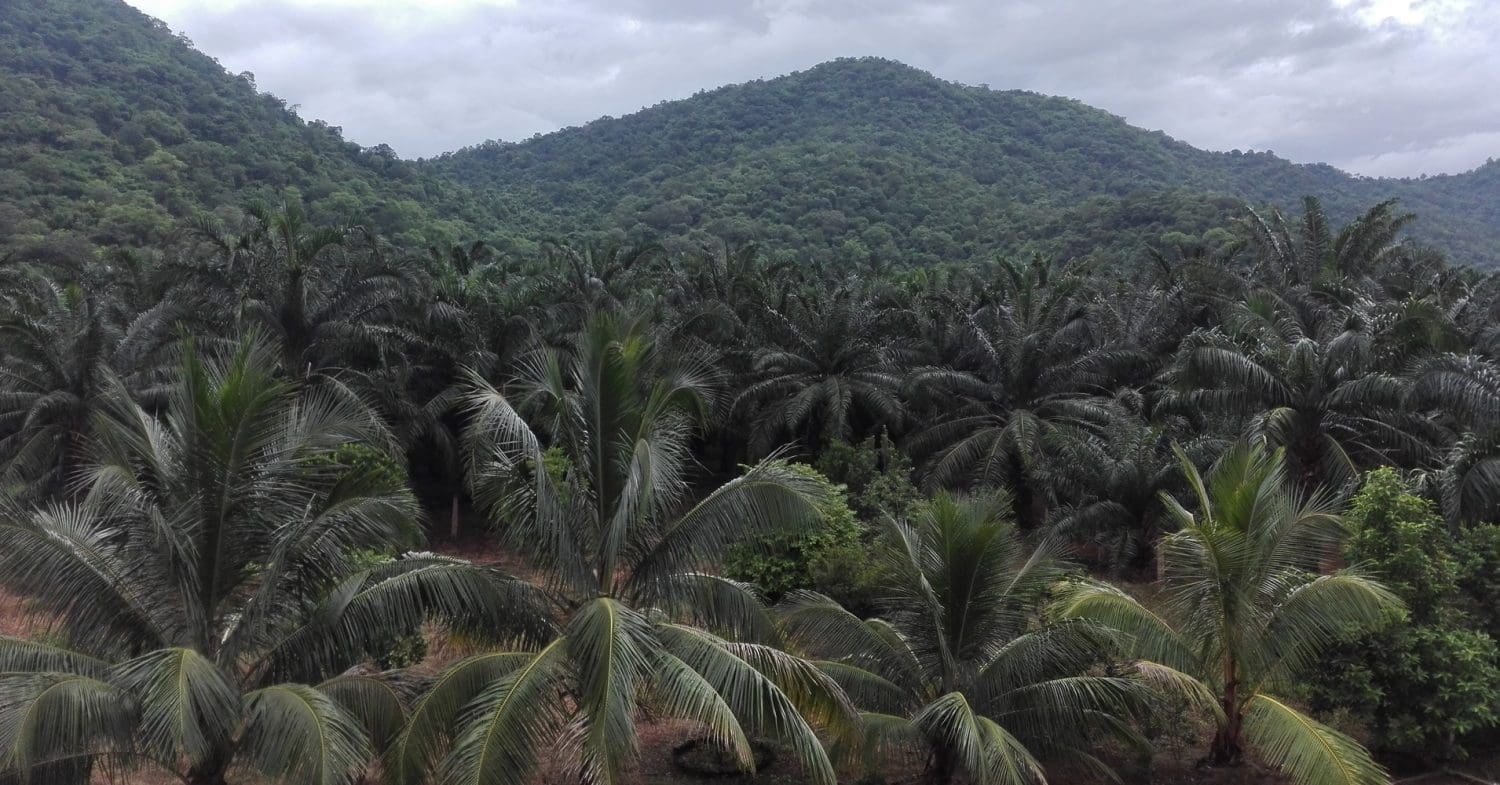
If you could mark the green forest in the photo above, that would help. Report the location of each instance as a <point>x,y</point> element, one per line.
<point>650,453</point>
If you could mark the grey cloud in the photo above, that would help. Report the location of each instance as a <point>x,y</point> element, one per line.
<point>1315,80</point>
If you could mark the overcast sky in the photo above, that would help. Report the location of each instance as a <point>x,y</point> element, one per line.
<point>1378,87</point>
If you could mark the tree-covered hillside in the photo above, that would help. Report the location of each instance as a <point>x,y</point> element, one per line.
<point>867,156</point>
<point>112,127</point>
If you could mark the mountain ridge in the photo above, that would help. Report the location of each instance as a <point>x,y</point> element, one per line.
<point>122,129</point>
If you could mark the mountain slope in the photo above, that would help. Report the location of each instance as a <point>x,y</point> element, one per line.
<point>871,156</point>
<point>114,127</point>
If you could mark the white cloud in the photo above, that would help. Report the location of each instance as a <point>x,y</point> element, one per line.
<point>1387,87</point>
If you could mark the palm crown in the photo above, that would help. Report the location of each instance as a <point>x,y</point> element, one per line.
<point>206,586</point>
<point>594,495</point>
<point>1247,610</point>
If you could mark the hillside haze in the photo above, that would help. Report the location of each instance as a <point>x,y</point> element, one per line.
<point>116,128</point>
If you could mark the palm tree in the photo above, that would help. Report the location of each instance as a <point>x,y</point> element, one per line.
<point>594,493</point>
<point>206,589</point>
<point>1246,611</point>
<point>1028,364</point>
<point>65,329</point>
<point>959,666</point>
<point>330,298</point>
<point>1311,254</point>
<point>830,372</point>
<point>1305,382</point>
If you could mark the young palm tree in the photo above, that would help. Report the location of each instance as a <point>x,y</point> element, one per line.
<point>959,665</point>
<point>592,486</point>
<point>206,589</point>
<point>1247,611</point>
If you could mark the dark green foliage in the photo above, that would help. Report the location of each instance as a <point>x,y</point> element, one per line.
<point>114,128</point>
<point>1427,680</point>
<point>1477,551</point>
<point>876,475</point>
<point>866,159</point>
<point>834,559</point>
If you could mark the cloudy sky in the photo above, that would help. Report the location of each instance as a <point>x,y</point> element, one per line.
<point>1378,87</point>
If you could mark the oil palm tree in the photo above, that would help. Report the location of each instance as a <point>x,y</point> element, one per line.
<point>331,298</point>
<point>959,665</point>
<point>830,372</point>
<point>1029,363</point>
<point>590,482</point>
<point>1246,611</point>
<point>1305,382</point>
<point>205,591</point>
<point>65,329</point>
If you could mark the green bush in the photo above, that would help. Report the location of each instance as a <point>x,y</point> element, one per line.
<point>877,476</point>
<point>835,560</point>
<point>1428,678</point>
<point>1478,553</point>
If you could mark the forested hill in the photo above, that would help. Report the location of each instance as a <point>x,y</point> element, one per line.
<point>113,127</point>
<point>869,156</point>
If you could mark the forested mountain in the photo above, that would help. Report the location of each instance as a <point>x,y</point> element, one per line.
<point>114,127</point>
<point>868,156</point>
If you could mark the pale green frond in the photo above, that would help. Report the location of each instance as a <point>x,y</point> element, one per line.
<point>48,716</point>
<point>433,720</point>
<point>769,497</point>
<point>298,735</point>
<point>758,692</point>
<point>372,700</point>
<point>1150,636</point>
<point>1307,751</point>
<point>510,727</point>
<point>867,690</point>
<point>1321,612</point>
<point>680,691</point>
<point>987,754</point>
<point>18,655</point>
<point>821,627</point>
<point>609,645</point>
<point>188,707</point>
<point>722,605</point>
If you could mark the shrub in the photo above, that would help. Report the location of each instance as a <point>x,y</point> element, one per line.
<point>835,560</point>
<point>1427,678</point>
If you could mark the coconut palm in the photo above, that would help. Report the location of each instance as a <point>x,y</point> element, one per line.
<point>591,484</point>
<point>205,595</point>
<point>1246,611</point>
<point>959,665</point>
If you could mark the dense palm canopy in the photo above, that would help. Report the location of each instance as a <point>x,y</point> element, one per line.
<point>205,588</point>
<point>596,494</point>
<point>625,418</point>
<point>1247,611</point>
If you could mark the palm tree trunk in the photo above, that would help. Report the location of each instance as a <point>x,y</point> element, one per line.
<point>453,518</point>
<point>1226,749</point>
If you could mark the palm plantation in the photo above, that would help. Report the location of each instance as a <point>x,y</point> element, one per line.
<point>595,494</point>
<point>206,596</point>
<point>223,460</point>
